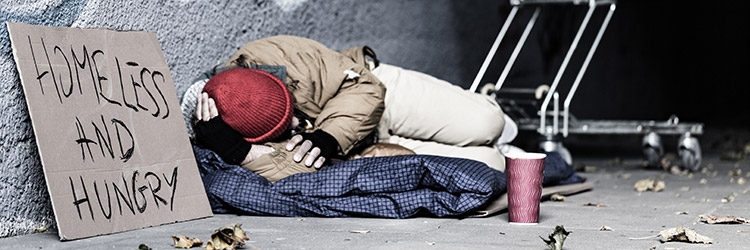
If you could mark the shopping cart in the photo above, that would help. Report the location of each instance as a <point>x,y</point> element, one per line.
<point>530,108</point>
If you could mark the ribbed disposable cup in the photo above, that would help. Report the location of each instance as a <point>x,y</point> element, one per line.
<point>524,173</point>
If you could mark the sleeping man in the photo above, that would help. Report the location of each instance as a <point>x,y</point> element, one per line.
<point>283,105</point>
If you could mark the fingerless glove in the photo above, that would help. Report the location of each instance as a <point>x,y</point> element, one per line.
<point>216,135</point>
<point>327,144</point>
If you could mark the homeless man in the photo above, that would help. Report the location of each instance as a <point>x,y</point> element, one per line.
<point>283,105</point>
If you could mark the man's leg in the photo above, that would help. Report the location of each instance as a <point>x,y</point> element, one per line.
<point>422,107</point>
<point>487,154</point>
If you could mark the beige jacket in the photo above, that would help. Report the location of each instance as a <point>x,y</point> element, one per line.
<point>335,89</point>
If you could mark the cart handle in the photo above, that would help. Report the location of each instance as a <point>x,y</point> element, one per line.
<point>574,88</point>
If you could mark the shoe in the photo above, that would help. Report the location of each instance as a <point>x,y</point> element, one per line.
<point>510,131</point>
<point>507,148</point>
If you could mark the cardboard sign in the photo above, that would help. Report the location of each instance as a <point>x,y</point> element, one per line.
<point>108,126</point>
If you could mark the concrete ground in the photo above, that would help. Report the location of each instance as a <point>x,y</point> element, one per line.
<point>611,216</point>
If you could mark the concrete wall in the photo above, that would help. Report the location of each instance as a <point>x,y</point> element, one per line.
<point>431,36</point>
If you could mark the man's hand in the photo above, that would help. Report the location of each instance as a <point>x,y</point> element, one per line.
<point>318,146</point>
<point>306,148</point>
<point>205,109</point>
<point>215,134</point>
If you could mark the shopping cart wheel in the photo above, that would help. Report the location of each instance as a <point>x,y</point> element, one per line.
<point>689,150</point>
<point>553,143</point>
<point>652,149</point>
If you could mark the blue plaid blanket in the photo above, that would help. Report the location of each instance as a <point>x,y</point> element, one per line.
<point>387,187</point>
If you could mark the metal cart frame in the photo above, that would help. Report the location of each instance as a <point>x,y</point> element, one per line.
<point>688,146</point>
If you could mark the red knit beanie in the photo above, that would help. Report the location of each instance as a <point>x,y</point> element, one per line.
<point>253,102</point>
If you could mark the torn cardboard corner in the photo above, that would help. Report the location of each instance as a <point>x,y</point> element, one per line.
<point>109,130</point>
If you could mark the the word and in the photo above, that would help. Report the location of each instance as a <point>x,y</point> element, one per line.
<point>104,139</point>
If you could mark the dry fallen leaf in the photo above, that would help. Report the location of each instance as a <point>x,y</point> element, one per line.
<point>684,235</point>
<point>727,199</point>
<point>557,197</point>
<point>557,238</point>
<point>668,161</point>
<point>239,234</point>
<point>227,238</point>
<point>649,184</point>
<point>677,170</point>
<point>220,243</point>
<point>713,219</point>
<point>735,172</point>
<point>591,204</point>
<point>186,242</point>
<point>623,176</point>
<point>590,169</point>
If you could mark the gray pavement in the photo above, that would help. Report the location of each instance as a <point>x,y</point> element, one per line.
<point>633,218</point>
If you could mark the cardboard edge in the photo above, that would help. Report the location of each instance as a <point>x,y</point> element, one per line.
<point>501,203</point>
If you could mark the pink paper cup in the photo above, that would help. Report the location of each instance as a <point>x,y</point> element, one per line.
<point>524,174</point>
